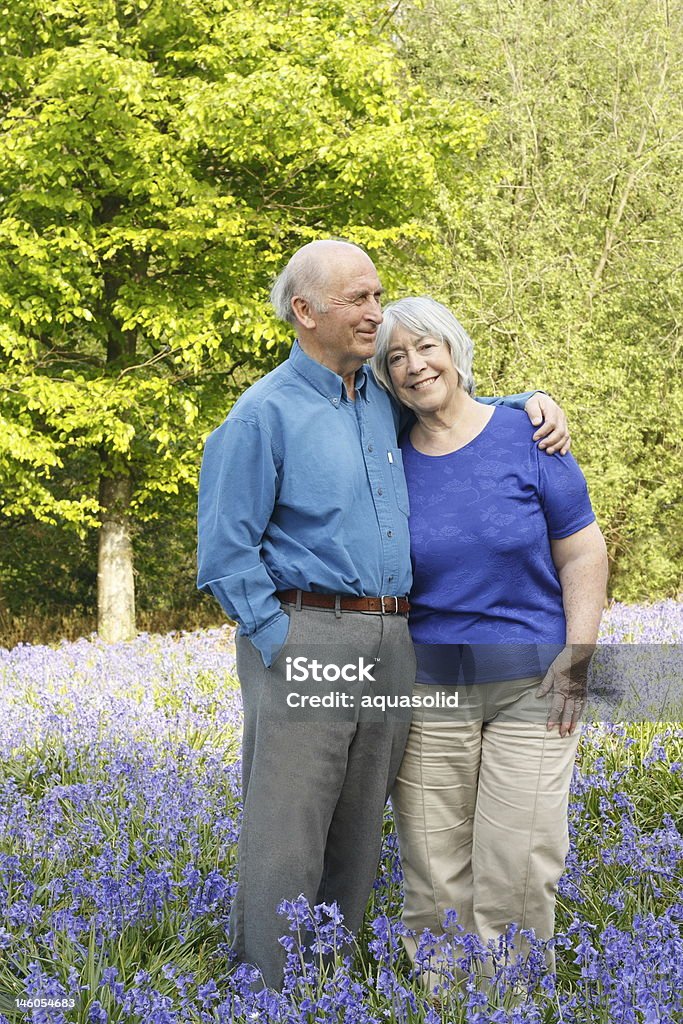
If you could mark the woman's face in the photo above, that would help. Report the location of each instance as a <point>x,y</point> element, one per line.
<point>422,371</point>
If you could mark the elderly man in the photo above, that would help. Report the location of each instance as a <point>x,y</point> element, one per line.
<point>303,539</point>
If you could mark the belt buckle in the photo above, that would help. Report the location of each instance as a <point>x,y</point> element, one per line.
<point>394,610</point>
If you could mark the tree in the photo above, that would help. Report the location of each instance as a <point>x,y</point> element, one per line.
<point>158,161</point>
<point>567,267</point>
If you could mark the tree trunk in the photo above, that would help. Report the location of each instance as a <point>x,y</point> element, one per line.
<point>115,581</point>
<point>4,617</point>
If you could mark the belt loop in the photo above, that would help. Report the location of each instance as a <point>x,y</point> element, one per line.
<point>337,606</point>
<point>298,600</point>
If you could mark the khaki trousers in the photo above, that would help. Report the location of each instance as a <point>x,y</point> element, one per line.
<point>480,803</point>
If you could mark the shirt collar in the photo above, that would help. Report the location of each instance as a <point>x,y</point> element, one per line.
<point>328,383</point>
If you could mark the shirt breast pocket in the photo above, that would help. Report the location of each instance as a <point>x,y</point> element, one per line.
<point>398,477</point>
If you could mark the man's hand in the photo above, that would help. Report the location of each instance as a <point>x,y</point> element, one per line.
<point>553,432</point>
<point>567,679</point>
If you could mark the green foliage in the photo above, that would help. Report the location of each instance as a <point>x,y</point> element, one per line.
<point>158,163</point>
<point>567,266</point>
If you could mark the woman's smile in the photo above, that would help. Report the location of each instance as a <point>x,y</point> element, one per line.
<point>420,385</point>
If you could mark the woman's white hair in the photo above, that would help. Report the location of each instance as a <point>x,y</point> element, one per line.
<point>423,317</point>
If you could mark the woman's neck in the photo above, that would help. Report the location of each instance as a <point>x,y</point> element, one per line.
<point>445,430</point>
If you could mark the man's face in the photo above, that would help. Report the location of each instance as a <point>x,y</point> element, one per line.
<point>347,331</point>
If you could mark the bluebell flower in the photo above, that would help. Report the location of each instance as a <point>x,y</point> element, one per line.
<point>134,826</point>
<point>97,1014</point>
<point>208,993</point>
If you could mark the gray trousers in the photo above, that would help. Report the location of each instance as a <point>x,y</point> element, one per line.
<point>315,779</point>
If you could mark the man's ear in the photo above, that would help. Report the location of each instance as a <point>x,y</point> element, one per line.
<point>304,312</point>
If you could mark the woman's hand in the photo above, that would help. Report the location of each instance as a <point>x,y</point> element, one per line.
<point>581,563</point>
<point>567,680</point>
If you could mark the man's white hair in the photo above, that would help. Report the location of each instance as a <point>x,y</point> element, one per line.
<point>306,275</point>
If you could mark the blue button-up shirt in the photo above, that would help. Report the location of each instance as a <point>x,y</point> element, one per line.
<point>302,488</point>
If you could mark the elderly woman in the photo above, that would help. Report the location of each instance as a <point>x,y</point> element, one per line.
<point>509,584</point>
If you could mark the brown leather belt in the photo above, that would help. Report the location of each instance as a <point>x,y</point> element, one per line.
<point>378,605</point>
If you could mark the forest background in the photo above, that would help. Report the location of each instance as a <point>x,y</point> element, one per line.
<point>161,159</point>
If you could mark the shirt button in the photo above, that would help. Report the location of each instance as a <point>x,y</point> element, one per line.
<point>391,579</point>
<point>370,448</point>
<point>380,491</point>
<point>390,533</point>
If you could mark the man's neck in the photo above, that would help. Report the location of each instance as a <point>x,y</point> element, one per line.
<point>325,359</point>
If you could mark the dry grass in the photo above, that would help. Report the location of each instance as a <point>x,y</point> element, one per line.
<point>45,628</point>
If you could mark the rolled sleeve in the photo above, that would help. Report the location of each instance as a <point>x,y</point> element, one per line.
<point>511,401</point>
